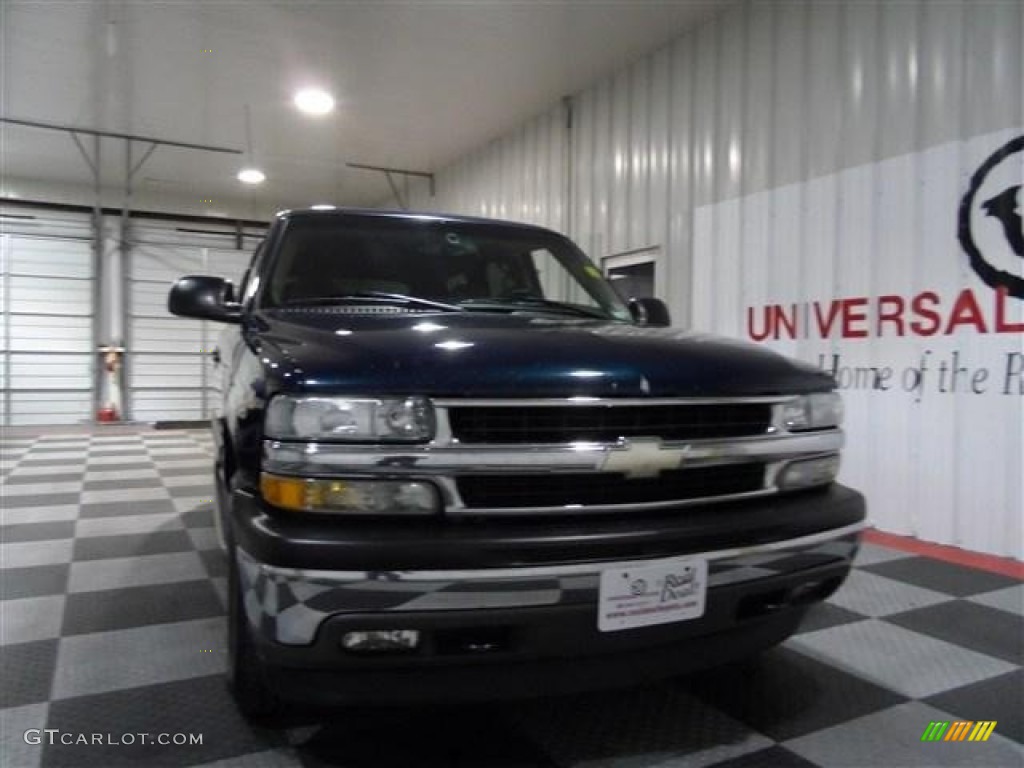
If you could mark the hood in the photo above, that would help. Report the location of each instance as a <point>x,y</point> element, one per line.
<point>501,355</point>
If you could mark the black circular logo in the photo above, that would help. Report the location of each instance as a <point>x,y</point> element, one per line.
<point>1001,201</point>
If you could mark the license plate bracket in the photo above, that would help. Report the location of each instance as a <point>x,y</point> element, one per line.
<point>647,595</point>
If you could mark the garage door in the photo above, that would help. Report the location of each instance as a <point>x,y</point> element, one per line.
<point>169,372</point>
<point>46,303</point>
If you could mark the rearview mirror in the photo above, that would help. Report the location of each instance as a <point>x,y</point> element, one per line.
<point>205,298</point>
<point>650,311</point>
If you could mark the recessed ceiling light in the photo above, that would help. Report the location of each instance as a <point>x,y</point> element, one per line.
<point>322,207</point>
<point>251,176</point>
<point>314,101</point>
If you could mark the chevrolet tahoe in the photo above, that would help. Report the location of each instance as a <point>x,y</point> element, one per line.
<point>452,462</point>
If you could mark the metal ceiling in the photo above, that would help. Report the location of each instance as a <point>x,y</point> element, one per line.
<point>418,83</point>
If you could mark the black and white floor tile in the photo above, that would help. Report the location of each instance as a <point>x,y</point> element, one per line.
<point>112,623</point>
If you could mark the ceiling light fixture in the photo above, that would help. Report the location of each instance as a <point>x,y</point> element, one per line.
<point>251,176</point>
<point>314,101</point>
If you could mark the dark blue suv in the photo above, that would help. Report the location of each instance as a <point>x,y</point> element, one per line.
<point>451,460</point>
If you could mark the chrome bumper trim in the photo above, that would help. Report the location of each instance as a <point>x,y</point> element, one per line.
<point>556,571</point>
<point>288,605</point>
<point>455,508</point>
<point>453,458</point>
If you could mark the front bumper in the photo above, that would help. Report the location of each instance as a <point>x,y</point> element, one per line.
<point>311,542</point>
<point>289,606</point>
<point>549,651</point>
<point>509,608</point>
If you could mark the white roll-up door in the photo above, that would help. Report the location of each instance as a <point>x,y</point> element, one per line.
<point>46,308</point>
<point>168,366</point>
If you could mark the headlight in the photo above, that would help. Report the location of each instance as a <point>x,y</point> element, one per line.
<point>818,411</point>
<point>372,497</point>
<point>358,419</point>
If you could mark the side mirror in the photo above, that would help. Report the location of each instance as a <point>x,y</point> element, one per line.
<point>205,298</point>
<point>650,311</point>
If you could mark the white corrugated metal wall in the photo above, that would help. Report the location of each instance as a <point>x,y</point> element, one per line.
<point>829,110</point>
<point>48,294</point>
<point>521,176</point>
<point>169,374</point>
<point>46,309</point>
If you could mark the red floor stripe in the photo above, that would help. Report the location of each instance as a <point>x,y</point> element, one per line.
<point>1002,565</point>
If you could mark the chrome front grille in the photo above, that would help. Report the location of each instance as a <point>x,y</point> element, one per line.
<point>608,422</point>
<point>589,490</point>
<point>579,455</point>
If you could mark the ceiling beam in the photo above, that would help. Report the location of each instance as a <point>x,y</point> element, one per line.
<point>399,171</point>
<point>111,135</point>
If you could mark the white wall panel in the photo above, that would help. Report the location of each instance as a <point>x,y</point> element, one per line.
<point>50,295</point>
<point>656,208</point>
<point>50,333</point>
<point>47,295</point>
<point>620,149</point>
<point>520,177</point>
<point>170,334</point>
<point>682,159</point>
<point>168,376</point>
<point>940,460</point>
<point>47,319</point>
<point>161,264</point>
<point>44,224</point>
<point>793,151</point>
<point>42,408</point>
<point>604,164</point>
<point>34,256</point>
<point>34,372</point>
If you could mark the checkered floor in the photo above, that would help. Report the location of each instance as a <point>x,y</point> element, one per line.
<point>113,623</point>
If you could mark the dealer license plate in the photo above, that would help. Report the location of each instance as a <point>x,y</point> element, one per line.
<point>653,594</point>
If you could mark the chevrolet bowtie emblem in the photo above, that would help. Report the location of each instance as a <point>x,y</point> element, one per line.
<point>644,458</point>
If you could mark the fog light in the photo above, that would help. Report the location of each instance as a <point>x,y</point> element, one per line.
<point>806,473</point>
<point>381,641</point>
<point>377,497</point>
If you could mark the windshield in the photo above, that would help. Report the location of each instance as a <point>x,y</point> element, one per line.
<point>425,264</point>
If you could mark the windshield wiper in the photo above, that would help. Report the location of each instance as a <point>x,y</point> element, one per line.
<point>513,304</point>
<point>381,297</point>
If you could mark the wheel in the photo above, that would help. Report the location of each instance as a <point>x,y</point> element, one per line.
<point>246,673</point>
